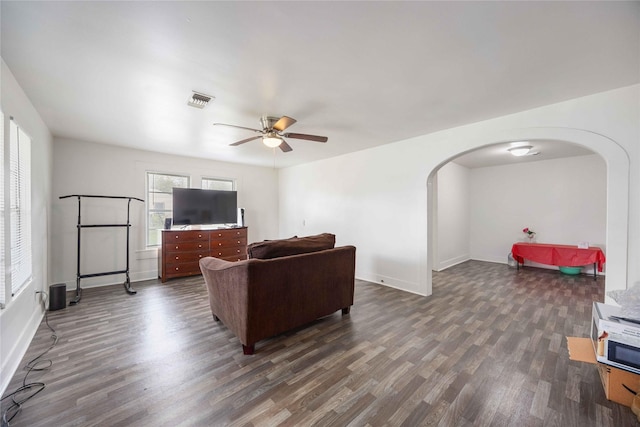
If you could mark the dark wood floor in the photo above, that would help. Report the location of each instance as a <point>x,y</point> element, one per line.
<point>487,349</point>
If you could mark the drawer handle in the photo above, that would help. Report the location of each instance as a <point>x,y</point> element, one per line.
<point>238,241</point>
<point>219,244</point>
<point>199,246</point>
<point>177,268</point>
<point>219,234</point>
<point>200,256</point>
<point>219,253</point>
<point>177,247</point>
<point>199,235</point>
<point>177,257</point>
<point>176,237</point>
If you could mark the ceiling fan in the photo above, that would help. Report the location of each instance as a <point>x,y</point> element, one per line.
<point>272,133</point>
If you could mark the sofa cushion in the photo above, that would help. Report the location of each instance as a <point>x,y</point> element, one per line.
<point>293,246</point>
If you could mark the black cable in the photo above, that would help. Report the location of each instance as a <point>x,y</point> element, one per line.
<point>34,387</point>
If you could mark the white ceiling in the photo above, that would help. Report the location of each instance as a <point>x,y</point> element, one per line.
<point>498,154</point>
<point>361,73</point>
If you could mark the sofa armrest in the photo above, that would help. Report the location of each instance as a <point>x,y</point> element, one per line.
<point>226,284</point>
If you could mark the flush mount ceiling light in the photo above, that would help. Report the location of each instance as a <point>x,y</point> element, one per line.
<point>521,150</point>
<point>271,140</point>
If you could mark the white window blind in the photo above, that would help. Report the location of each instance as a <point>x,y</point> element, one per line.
<point>160,202</point>
<point>20,206</point>
<point>3,283</point>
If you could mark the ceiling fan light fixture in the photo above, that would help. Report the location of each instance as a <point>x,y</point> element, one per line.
<point>521,150</point>
<point>271,140</point>
<point>271,133</point>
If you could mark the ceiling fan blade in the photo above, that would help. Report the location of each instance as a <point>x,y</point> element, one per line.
<point>315,138</point>
<point>285,147</point>
<point>283,123</point>
<point>245,140</point>
<point>239,127</point>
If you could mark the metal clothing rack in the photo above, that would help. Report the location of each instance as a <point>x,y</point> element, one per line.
<point>80,226</point>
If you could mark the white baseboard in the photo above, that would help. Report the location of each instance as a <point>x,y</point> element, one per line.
<point>11,364</point>
<point>443,265</point>
<point>391,282</point>
<point>116,279</point>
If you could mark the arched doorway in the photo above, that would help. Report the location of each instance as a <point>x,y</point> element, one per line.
<point>617,162</point>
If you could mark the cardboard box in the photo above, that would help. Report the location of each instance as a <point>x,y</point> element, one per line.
<point>619,385</point>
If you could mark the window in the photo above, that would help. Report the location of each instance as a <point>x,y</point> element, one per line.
<point>20,206</point>
<point>2,278</point>
<point>160,202</point>
<point>217,184</point>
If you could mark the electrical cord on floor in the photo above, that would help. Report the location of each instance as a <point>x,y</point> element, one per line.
<point>29,390</point>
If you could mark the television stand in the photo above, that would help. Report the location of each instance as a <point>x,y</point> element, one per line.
<point>181,250</point>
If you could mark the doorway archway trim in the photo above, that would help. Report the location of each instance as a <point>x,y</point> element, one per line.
<point>617,225</point>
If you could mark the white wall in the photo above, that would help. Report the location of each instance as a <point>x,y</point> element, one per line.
<point>481,212</point>
<point>563,200</point>
<point>377,199</point>
<point>23,313</point>
<point>365,201</point>
<point>452,216</point>
<point>81,167</point>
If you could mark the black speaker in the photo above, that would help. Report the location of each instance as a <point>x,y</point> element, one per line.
<point>57,296</point>
<point>167,223</point>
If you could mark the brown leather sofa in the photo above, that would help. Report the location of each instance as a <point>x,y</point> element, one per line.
<point>283,285</point>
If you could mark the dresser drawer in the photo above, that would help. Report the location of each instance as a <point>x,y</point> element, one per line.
<point>229,252</point>
<point>184,236</point>
<point>227,243</point>
<point>229,234</point>
<point>179,270</point>
<point>186,246</point>
<point>184,257</point>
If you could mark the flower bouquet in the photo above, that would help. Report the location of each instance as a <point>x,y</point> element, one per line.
<point>529,233</point>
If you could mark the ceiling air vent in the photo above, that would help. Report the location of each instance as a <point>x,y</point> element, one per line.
<point>199,100</point>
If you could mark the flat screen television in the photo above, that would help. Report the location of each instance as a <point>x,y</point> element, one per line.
<point>193,206</point>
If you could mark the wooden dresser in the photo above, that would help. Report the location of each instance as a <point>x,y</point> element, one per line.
<point>181,250</point>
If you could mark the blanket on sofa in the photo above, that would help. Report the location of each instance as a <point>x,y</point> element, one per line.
<point>294,246</point>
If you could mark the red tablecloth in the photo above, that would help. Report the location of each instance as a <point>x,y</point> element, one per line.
<point>560,255</point>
